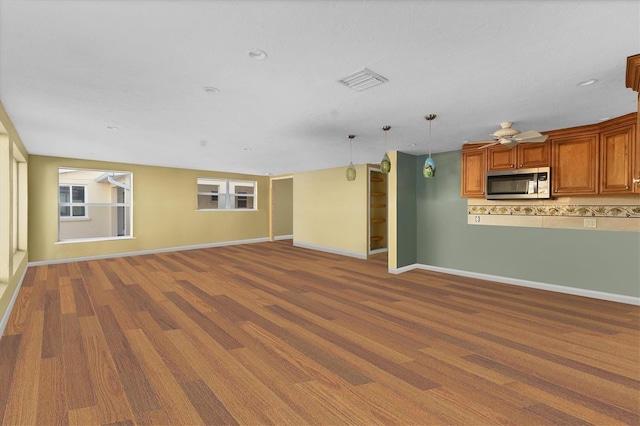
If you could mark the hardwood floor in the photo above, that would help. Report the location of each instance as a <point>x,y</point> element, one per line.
<point>273,334</point>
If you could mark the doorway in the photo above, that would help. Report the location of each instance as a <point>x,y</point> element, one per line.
<point>281,224</point>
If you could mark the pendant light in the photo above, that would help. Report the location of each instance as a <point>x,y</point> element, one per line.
<point>385,164</point>
<point>351,170</point>
<point>429,169</point>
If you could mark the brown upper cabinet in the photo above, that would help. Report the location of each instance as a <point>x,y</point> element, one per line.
<point>474,168</point>
<point>594,159</point>
<point>574,170</point>
<point>633,83</point>
<point>618,150</point>
<point>522,156</point>
<point>602,158</point>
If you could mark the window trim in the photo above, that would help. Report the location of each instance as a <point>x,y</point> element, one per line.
<point>227,197</point>
<point>107,174</point>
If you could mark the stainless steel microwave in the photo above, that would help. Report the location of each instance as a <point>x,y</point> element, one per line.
<point>519,183</point>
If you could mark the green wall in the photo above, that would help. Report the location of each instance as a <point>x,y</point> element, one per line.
<point>406,210</point>
<point>606,261</point>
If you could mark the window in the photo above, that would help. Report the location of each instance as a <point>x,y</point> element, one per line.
<point>72,200</point>
<point>227,194</point>
<point>94,204</point>
<point>13,199</point>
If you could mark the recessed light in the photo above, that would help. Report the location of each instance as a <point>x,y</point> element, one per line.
<point>257,54</point>
<point>412,144</point>
<point>246,149</point>
<point>112,128</point>
<point>210,89</point>
<point>604,118</point>
<point>587,82</point>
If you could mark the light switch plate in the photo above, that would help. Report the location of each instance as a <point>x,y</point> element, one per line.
<point>589,223</point>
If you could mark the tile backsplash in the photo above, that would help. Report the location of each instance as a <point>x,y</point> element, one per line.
<point>613,213</point>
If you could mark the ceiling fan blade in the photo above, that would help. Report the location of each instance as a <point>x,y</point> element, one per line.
<point>530,136</point>
<point>489,144</point>
<point>527,134</point>
<point>541,138</point>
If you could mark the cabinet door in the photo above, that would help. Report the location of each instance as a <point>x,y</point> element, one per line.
<point>533,155</point>
<point>617,149</point>
<point>474,167</point>
<point>575,165</point>
<point>636,159</point>
<point>500,157</point>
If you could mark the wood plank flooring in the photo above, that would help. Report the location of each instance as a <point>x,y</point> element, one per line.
<point>273,334</point>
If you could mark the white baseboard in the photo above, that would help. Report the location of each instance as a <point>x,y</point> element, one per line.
<point>283,237</point>
<point>403,269</point>
<point>613,297</point>
<point>153,251</point>
<point>332,250</point>
<point>5,318</point>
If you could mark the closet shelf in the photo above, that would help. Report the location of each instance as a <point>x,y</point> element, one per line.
<point>377,193</point>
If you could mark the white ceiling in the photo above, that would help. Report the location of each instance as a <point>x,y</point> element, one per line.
<point>69,70</point>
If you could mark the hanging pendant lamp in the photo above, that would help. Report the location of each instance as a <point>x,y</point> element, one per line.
<point>351,170</point>
<point>429,169</point>
<point>385,164</point>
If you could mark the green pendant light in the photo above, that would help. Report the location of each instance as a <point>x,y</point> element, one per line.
<point>429,169</point>
<point>351,170</point>
<point>385,164</point>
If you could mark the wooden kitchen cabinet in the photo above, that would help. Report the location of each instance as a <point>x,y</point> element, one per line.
<point>618,154</point>
<point>635,174</point>
<point>534,155</point>
<point>633,83</point>
<point>522,156</point>
<point>575,161</point>
<point>601,158</point>
<point>501,158</point>
<point>474,168</point>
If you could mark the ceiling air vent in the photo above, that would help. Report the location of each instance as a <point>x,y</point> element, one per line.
<point>362,80</point>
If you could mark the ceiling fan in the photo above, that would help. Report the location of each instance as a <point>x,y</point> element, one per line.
<point>510,137</point>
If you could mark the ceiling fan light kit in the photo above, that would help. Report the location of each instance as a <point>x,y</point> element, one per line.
<point>506,130</point>
<point>429,169</point>
<point>385,163</point>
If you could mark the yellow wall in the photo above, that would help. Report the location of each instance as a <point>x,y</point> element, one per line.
<point>13,260</point>
<point>329,211</point>
<point>164,211</point>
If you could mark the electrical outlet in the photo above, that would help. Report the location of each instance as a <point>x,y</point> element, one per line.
<point>589,223</point>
